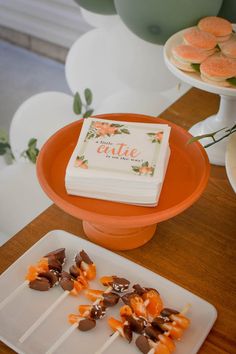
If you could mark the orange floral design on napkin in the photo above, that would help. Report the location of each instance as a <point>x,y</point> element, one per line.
<point>81,162</point>
<point>156,137</point>
<point>105,129</point>
<point>101,129</point>
<point>144,169</point>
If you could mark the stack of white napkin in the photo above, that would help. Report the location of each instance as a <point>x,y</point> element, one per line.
<point>119,161</point>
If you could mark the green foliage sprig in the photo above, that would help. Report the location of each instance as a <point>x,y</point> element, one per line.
<point>83,108</point>
<point>32,152</point>
<point>227,132</point>
<point>5,147</point>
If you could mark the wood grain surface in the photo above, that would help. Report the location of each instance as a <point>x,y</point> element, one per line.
<point>195,249</point>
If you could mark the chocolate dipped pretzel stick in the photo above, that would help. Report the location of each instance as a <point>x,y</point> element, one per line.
<point>41,276</point>
<point>120,328</point>
<point>140,305</point>
<point>102,298</point>
<point>85,321</point>
<point>159,335</point>
<point>71,285</point>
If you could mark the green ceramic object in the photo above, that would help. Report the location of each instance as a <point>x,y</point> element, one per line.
<point>228,10</point>
<point>156,20</point>
<point>103,7</point>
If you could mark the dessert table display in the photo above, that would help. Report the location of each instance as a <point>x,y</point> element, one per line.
<point>192,249</point>
<point>224,118</point>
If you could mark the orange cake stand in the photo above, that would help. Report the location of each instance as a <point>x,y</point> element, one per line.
<point>121,226</point>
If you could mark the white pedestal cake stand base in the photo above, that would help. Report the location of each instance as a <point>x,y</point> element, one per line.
<point>226,116</point>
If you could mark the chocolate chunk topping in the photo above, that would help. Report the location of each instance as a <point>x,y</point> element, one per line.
<point>82,256</point>
<point>142,344</point>
<point>40,284</point>
<point>74,271</point>
<point>136,325</point>
<point>85,257</point>
<point>97,312</point>
<point>128,332</point>
<point>158,322</point>
<point>120,284</point>
<point>126,298</point>
<point>54,264</point>
<point>110,299</point>
<point>78,260</point>
<point>52,276</point>
<point>66,284</point>
<point>66,281</point>
<point>167,312</point>
<point>153,333</point>
<point>139,290</point>
<point>59,254</point>
<point>66,275</point>
<point>86,324</point>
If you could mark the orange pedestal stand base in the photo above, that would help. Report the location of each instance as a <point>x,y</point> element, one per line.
<point>120,226</point>
<point>118,238</point>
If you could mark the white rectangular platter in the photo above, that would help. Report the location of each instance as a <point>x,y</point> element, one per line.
<point>17,316</point>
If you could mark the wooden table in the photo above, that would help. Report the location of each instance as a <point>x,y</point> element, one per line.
<point>196,249</point>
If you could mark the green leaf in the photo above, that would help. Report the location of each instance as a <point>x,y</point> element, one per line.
<point>135,168</point>
<point>32,143</point>
<point>88,96</point>
<point>117,125</point>
<point>88,113</point>
<point>90,136</point>
<point>232,81</point>
<point>199,137</point>
<point>32,152</point>
<point>125,131</point>
<point>196,67</point>
<point>145,164</point>
<point>4,145</point>
<point>32,155</point>
<point>77,105</point>
<point>3,136</point>
<point>151,134</point>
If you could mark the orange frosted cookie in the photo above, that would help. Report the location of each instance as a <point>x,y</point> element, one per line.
<point>219,27</point>
<point>183,56</point>
<point>200,39</point>
<point>218,70</point>
<point>229,49</point>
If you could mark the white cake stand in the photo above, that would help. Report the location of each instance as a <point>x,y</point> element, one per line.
<point>225,117</point>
